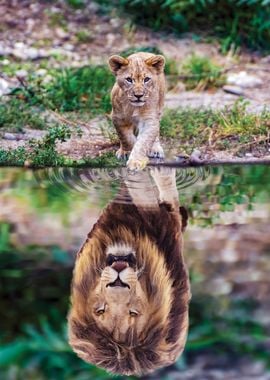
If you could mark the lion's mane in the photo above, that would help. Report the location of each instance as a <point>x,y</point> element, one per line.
<point>157,238</point>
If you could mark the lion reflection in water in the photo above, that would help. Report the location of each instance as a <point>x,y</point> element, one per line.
<point>130,289</point>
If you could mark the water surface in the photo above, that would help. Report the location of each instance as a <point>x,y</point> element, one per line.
<point>45,217</point>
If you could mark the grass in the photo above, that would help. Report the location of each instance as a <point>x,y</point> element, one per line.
<point>201,73</point>
<point>230,128</point>
<point>42,153</point>
<point>234,22</point>
<point>85,89</point>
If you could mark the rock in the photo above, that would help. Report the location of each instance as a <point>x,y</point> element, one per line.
<point>182,158</point>
<point>243,79</point>
<point>41,72</point>
<point>9,136</point>
<point>22,51</point>
<point>68,47</point>
<point>5,62</point>
<point>21,74</point>
<point>4,51</point>
<point>4,87</point>
<point>235,90</point>
<point>266,59</point>
<point>195,157</point>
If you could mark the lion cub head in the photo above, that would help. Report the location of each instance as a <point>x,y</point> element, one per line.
<point>138,75</point>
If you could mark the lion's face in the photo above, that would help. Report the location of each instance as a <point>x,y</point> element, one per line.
<point>130,292</point>
<point>137,75</point>
<point>119,303</point>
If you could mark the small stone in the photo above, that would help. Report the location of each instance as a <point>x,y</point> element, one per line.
<point>249,155</point>
<point>235,90</point>
<point>4,87</point>
<point>5,62</point>
<point>27,163</point>
<point>21,74</point>
<point>68,47</point>
<point>195,157</point>
<point>4,51</point>
<point>243,79</point>
<point>266,59</point>
<point>182,157</point>
<point>9,136</point>
<point>41,72</point>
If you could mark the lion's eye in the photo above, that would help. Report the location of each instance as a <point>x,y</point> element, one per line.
<point>146,79</point>
<point>129,80</point>
<point>133,313</point>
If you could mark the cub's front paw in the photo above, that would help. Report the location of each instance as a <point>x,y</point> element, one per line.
<point>156,151</point>
<point>137,164</point>
<point>122,154</point>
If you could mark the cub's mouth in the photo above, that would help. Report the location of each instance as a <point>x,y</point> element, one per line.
<point>138,102</point>
<point>120,263</point>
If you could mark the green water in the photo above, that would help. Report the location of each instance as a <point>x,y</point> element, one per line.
<point>45,216</point>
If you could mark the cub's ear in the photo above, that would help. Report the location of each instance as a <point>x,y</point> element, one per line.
<point>157,62</point>
<point>116,63</point>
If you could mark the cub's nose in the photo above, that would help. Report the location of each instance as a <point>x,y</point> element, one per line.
<point>119,265</point>
<point>138,96</point>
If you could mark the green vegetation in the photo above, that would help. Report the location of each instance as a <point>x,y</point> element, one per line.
<point>201,73</point>
<point>86,89</point>
<point>240,22</point>
<point>84,36</point>
<point>40,153</point>
<point>230,128</point>
<point>16,114</point>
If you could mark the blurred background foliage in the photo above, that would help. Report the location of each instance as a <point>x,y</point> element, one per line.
<point>35,280</point>
<point>236,22</point>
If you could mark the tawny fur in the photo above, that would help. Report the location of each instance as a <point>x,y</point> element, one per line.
<point>163,287</point>
<point>137,122</point>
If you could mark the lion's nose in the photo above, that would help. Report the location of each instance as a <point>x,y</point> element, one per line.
<point>119,265</point>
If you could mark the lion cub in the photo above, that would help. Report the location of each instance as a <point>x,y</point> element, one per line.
<point>137,103</point>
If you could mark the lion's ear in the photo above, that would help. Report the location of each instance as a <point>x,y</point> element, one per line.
<point>157,62</point>
<point>184,216</point>
<point>116,63</point>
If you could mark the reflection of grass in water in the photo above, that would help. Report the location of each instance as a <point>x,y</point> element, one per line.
<point>226,326</point>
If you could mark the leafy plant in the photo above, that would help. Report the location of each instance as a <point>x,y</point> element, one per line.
<point>16,114</point>
<point>201,73</point>
<point>85,88</point>
<point>236,22</point>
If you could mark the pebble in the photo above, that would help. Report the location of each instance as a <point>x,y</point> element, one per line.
<point>9,136</point>
<point>4,87</point>
<point>41,72</point>
<point>22,51</point>
<point>235,90</point>
<point>21,73</point>
<point>243,79</point>
<point>195,157</point>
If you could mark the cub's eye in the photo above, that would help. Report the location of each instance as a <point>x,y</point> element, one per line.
<point>100,311</point>
<point>129,80</point>
<point>146,79</point>
<point>133,313</point>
